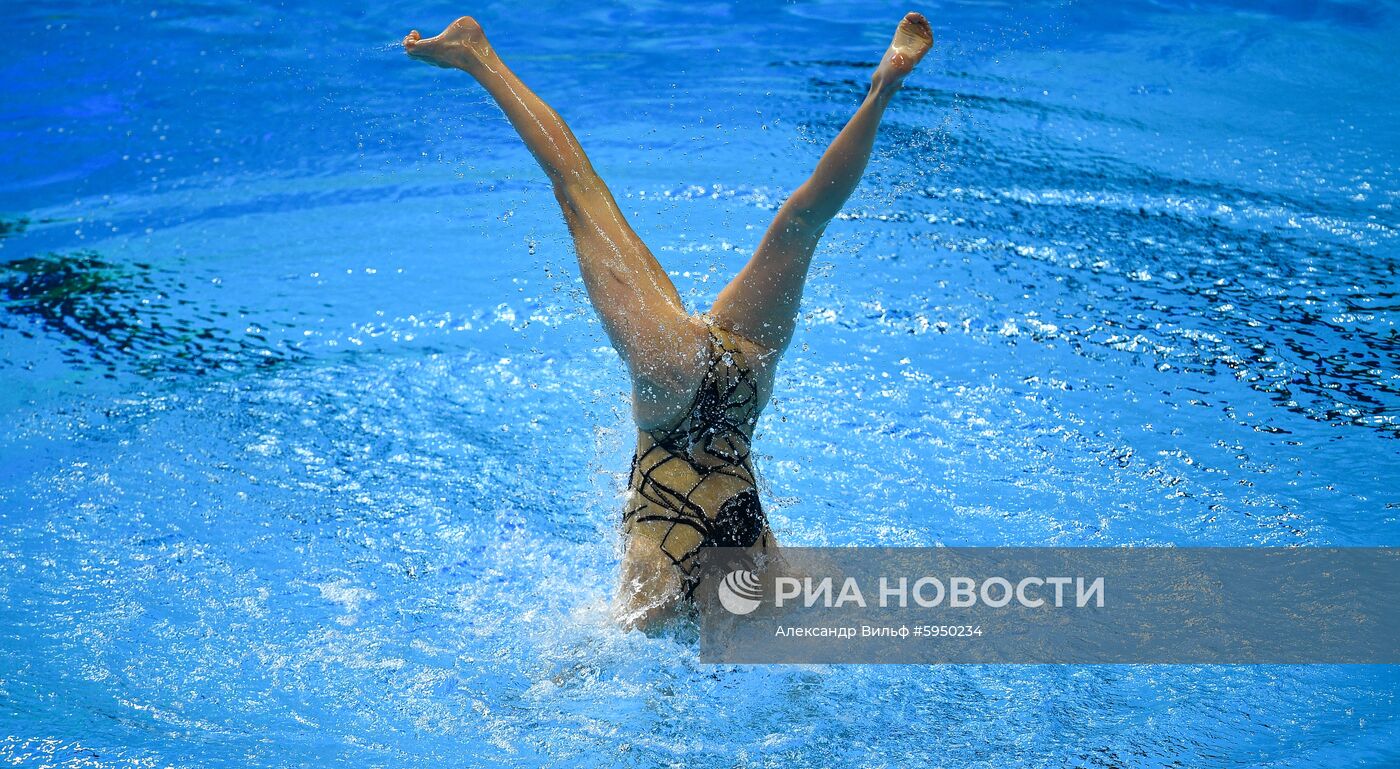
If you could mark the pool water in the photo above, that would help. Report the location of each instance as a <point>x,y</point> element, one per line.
<point>312,447</point>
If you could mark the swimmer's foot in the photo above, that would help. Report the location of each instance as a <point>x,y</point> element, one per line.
<point>912,39</point>
<point>461,46</point>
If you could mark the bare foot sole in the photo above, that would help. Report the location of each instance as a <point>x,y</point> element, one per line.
<point>912,39</point>
<point>461,46</point>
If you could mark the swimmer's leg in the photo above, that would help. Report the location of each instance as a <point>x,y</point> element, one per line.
<point>639,306</point>
<point>761,303</point>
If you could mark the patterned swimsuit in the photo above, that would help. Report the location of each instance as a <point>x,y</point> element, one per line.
<point>696,477</point>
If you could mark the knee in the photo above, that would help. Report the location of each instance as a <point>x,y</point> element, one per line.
<point>801,225</point>
<point>799,217</point>
<point>576,190</point>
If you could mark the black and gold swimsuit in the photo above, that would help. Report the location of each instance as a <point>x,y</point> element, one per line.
<point>692,484</point>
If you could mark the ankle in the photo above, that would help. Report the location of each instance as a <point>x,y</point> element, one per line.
<point>465,59</point>
<point>882,90</point>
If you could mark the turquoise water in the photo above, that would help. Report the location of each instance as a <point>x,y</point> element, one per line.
<point>312,447</point>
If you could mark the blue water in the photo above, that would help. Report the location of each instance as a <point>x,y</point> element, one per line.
<point>310,445</point>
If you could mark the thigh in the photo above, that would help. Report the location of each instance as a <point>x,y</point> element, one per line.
<point>661,344</point>
<point>762,301</point>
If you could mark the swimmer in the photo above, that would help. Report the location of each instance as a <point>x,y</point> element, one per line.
<point>698,381</point>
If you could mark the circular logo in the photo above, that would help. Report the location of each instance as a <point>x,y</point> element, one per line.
<point>740,592</point>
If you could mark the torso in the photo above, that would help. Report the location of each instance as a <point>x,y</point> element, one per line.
<point>692,483</point>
